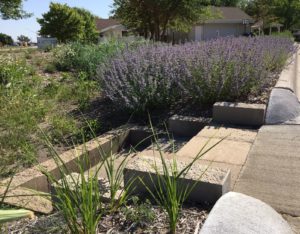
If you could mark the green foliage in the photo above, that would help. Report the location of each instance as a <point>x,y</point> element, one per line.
<point>286,33</point>
<point>114,174</point>
<point>23,38</point>
<point>84,57</point>
<point>77,196</point>
<point>50,68</point>
<point>139,213</point>
<point>288,12</point>
<point>269,11</point>
<point>21,109</point>
<point>11,215</point>
<point>12,9</point>
<point>90,29</point>
<point>68,24</point>
<point>5,39</point>
<point>168,192</point>
<point>26,101</point>
<point>62,127</point>
<point>152,18</point>
<point>227,3</point>
<point>77,88</point>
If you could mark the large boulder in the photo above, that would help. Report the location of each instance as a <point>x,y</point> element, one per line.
<point>236,213</point>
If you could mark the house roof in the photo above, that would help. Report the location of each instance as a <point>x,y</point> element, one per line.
<point>229,15</point>
<point>106,23</point>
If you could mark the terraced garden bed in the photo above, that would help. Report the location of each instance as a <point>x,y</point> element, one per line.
<point>52,102</point>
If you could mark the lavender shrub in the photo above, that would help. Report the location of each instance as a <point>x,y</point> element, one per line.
<point>224,69</point>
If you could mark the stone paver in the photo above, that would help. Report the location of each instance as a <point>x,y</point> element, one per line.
<point>28,199</point>
<point>271,172</point>
<point>231,153</point>
<point>227,151</point>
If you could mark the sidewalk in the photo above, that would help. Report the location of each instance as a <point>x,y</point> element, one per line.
<point>272,170</point>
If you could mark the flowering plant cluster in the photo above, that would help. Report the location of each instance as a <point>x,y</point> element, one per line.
<point>225,69</point>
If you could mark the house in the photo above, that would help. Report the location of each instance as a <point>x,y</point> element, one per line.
<point>110,28</point>
<point>228,21</point>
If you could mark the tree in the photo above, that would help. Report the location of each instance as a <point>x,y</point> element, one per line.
<point>61,22</point>
<point>288,12</point>
<point>5,39</point>
<point>227,3</point>
<point>90,30</point>
<point>23,39</point>
<point>261,10</point>
<point>152,18</point>
<point>12,9</point>
<point>68,24</point>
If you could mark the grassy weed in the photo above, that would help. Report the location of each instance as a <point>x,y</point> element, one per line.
<point>77,196</point>
<point>28,100</point>
<point>138,213</point>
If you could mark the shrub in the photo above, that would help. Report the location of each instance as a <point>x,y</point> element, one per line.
<point>285,33</point>
<point>86,57</point>
<point>50,68</point>
<point>222,69</point>
<point>82,57</point>
<point>5,39</point>
<point>144,77</point>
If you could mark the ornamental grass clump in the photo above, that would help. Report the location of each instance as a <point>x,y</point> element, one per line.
<point>225,69</point>
<point>165,186</point>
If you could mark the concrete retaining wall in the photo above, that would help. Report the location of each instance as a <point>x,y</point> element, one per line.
<point>33,178</point>
<point>186,126</point>
<point>239,113</point>
<point>210,183</point>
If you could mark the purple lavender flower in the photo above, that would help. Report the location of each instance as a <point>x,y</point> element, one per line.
<point>203,72</point>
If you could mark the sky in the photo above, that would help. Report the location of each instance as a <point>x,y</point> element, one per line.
<point>29,27</point>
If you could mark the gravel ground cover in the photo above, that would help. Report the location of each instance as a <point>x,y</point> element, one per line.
<point>116,223</point>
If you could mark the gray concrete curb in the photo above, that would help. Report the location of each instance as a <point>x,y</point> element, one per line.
<point>284,105</point>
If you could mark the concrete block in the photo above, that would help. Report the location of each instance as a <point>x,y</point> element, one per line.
<point>33,178</point>
<point>236,213</point>
<point>210,183</point>
<point>186,126</point>
<point>239,113</point>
